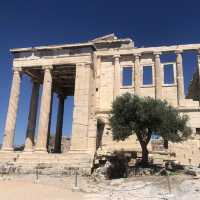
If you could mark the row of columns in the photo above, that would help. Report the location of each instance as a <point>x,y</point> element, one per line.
<point>44,116</point>
<point>158,75</point>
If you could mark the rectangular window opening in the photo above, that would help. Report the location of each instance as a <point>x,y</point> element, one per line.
<point>127,76</point>
<point>168,74</point>
<point>147,75</point>
<point>198,131</point>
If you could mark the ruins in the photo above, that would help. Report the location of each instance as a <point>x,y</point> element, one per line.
<point>95,73</point>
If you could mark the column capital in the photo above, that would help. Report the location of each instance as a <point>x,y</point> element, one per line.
<point>198,51</point>
<point>137,55</point>
<point>47,67</point>
<point>80,64</point>
<point>157,54</point>
<point>116,56</point>
<point>17,69</point>
<point>178,51</point>
<point>83,64</point>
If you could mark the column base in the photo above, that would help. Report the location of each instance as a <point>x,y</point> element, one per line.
<point>28,150</point>
<point>40,150</point>
<point>7,149</point>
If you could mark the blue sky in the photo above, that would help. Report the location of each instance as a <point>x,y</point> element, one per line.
<point>39,22</point>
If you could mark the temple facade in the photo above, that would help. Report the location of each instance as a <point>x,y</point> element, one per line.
<point>95,73</point>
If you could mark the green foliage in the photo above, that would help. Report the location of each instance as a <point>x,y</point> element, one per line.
<point>131,114</point>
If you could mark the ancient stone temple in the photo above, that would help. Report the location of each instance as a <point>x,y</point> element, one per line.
<point>95,73</point>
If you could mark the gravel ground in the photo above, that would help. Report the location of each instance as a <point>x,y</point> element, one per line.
<point>147,188</point>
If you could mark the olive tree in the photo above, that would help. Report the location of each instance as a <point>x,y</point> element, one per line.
<point>143,116</point>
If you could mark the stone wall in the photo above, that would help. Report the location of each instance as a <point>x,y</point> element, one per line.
<point>169,93</point>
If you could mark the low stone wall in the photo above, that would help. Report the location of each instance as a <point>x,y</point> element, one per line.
<point>46,164</point>
<point>42,169</point>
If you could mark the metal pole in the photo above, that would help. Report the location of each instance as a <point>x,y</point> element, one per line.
<point>76,179</point>
<point>168,183</point>
<point>75,186</point>
<point>37,174</point>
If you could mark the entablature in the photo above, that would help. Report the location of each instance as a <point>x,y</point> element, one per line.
<point>52,61</point>
<point>149,50</point>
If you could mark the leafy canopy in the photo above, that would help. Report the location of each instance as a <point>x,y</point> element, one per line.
<point>131,114</point>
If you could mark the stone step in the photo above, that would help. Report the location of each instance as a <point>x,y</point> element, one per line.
<point>32,158</point>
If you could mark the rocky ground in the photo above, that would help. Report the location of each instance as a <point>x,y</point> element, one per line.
<point>147,188</point>
<point>60,188</point>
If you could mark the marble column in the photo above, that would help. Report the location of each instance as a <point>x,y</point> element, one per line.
<point>179,75</point>
<point>137,74</point>
<point>98,81</point>
<point>30,132</point>
<point>158,76</point>
<point>198,64</point>
<point>81,113</point>
<point>44,111</point>
<point>92,134</point>
<point>59,126</point>
<point>117,75</point>
<point>49,126</point>
<point>10,124</point>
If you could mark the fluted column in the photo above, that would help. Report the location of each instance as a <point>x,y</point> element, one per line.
<point>179,72</point>
<point>137,74</point>
<point>44,110</point>
<point>50,115</point>
<point>59,126</point>
<point>158,76</point>
<point>12,111</point>
<point>117,79</point>
<point>30,132</point>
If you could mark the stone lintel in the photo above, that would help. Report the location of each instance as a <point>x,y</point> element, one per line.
<point>147,50</point>
<point>51,47</point>
<point>27,63</point>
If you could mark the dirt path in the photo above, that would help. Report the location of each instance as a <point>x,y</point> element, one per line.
<point>26,190</point>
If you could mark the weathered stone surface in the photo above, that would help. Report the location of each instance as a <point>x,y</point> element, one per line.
<point>92,72</point>
<point>194,171</point>
<point>30,132</point>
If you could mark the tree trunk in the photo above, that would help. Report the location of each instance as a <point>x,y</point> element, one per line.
<point>145,154</point>
<point>166,144</point>
<point>144,139</point>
